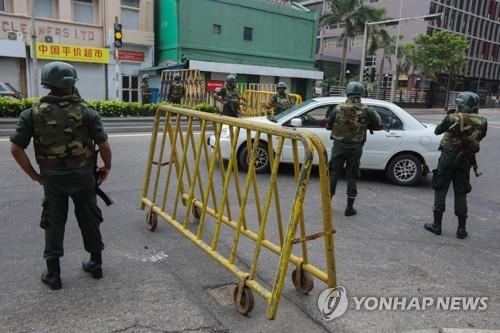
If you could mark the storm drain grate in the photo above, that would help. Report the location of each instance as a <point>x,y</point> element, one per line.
<point>224,294</point>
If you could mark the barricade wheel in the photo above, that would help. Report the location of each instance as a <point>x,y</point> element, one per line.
<point>245,305</point>
<point>152,221</point>
<point>306,283</point>
<point>196,212</point>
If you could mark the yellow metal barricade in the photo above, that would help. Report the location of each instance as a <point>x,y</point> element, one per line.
<point>258,102</point>
<point>215,208</point>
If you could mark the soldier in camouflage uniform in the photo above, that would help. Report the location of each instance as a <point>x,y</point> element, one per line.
<point>463,132</point>
<point>229,97</point>
<point>64,130</point>
<point>280,101</point>
<point>176,90</point>
<point>145,90</point>
<point>348,124</point>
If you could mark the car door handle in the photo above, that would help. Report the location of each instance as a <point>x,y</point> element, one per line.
<point>394,135</point>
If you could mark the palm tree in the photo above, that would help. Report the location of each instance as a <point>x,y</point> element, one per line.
<point>354,14</point>
<point>381,39</point>
<point>406,61</point>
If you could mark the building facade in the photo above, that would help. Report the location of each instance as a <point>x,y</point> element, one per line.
<point>81,33</point>
<point>477,20</point>
<point>261,41</point>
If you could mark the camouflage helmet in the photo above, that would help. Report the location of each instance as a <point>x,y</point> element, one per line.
<point>231,78</point>
<point>59,74</point>
<point>355,88</point>
<point>281,85</point>
<point>467,101</point>
<point>177,77</point>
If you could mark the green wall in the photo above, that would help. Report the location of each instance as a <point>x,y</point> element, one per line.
<point>167,30</point>
<point>282,36</point>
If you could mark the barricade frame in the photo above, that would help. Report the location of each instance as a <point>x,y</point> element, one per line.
<point>243,297</point>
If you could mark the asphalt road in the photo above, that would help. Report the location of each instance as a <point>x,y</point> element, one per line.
<point>160,282</point>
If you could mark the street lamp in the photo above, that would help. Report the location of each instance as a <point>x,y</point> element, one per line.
<point>347,74</point>
<point>389,23</point>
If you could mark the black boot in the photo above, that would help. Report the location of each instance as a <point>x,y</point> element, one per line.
<point>94,265</point>
<point>435,227</point>
<point>349,211</point>
<point>461,232</point>
<point>52,277</point>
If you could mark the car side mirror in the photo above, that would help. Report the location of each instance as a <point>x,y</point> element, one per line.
<point>296,122</point>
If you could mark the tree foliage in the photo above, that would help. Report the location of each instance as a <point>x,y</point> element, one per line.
<point>442,52</point>
<point>354,14</point>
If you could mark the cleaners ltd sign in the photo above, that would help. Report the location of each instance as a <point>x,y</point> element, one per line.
<point>66,33</point>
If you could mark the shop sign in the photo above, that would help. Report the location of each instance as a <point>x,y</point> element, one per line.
<point>131,56</point>
<point>78,53</point>
<point>213,85</point>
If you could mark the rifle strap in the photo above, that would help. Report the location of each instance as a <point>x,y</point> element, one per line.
<point>459,118</point>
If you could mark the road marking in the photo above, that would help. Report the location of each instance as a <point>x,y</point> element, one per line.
<point>128,135</point>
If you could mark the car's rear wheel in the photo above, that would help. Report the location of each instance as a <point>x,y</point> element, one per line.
<point>404,170</point>
<point>262,163</point>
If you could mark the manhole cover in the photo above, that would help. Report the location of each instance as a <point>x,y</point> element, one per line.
<point>224,294</point>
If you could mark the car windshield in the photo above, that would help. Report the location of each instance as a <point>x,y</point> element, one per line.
<point>10,87</point>
<point>284,114</point>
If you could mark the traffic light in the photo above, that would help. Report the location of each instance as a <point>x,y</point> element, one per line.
<point>118,35</point>
<point>366,73</point>
<point>372,74</point>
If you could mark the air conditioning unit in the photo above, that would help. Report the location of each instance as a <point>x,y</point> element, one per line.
<point>51,39</point>
<point>15,35</point>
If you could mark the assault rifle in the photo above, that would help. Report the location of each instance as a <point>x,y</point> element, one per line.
<point>234,104</point>
<point>470,156</point>
<point>107,199</point>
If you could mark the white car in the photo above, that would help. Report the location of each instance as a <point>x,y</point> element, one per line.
<point>407,149</point>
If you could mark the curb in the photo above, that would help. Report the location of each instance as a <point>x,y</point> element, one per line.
<point>454,330</point>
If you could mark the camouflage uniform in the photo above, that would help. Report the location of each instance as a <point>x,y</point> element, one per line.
<point>454,165</point>
<point>176,92</point>
<point>64,130</point>
<point>231,98</point>
<point>67,165</point>
<point>349,123</point>
<point>280,102</point>
<point>145,92</point>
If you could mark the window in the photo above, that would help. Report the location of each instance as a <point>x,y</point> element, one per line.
<point>247,33</point>
<point>217,29</point>
<point>389,119</point>
<point>2,5</point>
<point>83,11</point>
<point>316,117</point>
<point>130,14</point>
<point>373,1</point>
<point>332,42</point>
<point>130,88</point>
<point>130,3</point>
<point>45,8</point>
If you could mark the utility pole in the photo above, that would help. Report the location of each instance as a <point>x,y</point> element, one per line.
<point>389,23</point>
<point>363,55</point>
<point>394,69</point>
<point>34,67</point>
<point>117,63</point>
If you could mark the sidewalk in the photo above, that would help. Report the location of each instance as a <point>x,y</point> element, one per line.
<point>442,111</point>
